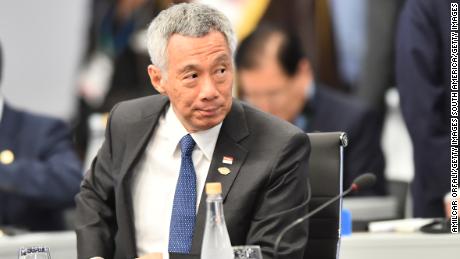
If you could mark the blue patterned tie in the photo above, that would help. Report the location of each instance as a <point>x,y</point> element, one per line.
<point>184,205</point>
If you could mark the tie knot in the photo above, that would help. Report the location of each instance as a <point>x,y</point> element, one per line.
<point>186,145</point>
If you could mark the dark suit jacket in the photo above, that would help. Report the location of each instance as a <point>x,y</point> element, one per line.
<point>423,79</point>
<point>332,111</point>
<point>45,175</point>
<point>262,194</point>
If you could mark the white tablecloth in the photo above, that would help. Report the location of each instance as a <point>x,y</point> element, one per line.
<point>400,246</point>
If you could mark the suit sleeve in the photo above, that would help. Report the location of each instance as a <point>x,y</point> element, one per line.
<point>95,222</point>
<point>283,202</point>
<point>51,177</point>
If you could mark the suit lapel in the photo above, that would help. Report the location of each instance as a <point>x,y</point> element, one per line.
<point>234,129</point>
<point>138,136</point>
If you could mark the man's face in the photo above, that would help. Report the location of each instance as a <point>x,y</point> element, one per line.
<point>270,89</point>
<point>199,79</point>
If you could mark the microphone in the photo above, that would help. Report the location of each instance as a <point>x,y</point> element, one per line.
<point>361,182</point>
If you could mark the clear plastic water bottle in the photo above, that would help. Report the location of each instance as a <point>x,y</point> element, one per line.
<point>216,242</point>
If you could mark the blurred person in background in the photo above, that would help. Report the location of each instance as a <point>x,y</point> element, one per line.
<point>40,172</point>
<point>310,21</point>
<point>276,76</point>
<point>423,80</point>
<point>364,35</point>
<point>116,58</point>
<point>377,69</point>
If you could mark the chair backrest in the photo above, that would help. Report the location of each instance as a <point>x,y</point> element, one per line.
<point>325,173</point>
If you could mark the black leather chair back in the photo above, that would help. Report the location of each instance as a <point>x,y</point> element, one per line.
<point>325,173</point>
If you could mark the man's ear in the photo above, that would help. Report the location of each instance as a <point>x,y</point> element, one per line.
<point>156,78</point>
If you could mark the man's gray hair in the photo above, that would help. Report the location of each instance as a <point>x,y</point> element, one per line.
<point>186,19</point>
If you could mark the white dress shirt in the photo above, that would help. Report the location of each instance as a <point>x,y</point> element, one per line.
<point>155,179</point>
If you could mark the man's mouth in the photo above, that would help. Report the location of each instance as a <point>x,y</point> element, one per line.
<point>209,111</point>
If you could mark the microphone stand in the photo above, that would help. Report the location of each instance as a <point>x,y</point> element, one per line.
<point>299,221</point>
<point>361,182</point>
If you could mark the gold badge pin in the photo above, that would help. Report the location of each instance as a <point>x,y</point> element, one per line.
<point>223,170</point>
<point>6,157</point>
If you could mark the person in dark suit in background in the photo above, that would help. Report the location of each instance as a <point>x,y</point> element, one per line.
<point>275,75</point>
<point>139,193</point>
<point>113,68</point>
<point>423,79</point>
<point>39,170</point>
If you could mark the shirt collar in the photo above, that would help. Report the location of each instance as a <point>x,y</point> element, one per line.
<point>205,140</point>
<point>310,91</point>
<point>302,121</point>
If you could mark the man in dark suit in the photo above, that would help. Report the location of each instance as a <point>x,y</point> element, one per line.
<point>39,170</point>
<point>145,184</point>
<point>275,75</point>
<point>423,78</point>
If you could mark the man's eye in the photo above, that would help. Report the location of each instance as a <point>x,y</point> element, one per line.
<point>191,76</point>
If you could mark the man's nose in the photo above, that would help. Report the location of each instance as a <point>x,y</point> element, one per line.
<point>208,89</point>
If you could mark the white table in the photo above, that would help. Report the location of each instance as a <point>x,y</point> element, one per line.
<point>400,246</point>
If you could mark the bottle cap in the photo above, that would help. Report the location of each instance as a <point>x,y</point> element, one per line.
<point>213,188</point>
